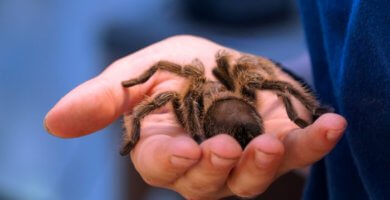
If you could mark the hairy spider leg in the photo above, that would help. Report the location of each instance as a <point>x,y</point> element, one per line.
<point>291,112</point>
<point>282,89</point>
<point>194,111</point>
<point>161,65</point>
<point>286,87</point>
<point>224,79</point>
<point>145,108</point>
<point>193,100</point>
<point>221,72</point>
<point>195,72</point>
<point>246,70</point>
<point>244,74</point>
<point>319,110</point>
<point>246,65</point>
<point>322,110</point>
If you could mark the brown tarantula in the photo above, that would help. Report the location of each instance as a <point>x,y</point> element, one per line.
<point>206,108</point>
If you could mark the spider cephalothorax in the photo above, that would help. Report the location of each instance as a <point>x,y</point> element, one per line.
<point>206,108</point>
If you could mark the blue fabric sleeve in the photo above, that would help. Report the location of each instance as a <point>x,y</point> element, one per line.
<point>349,44</point>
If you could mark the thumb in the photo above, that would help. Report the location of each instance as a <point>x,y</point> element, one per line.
<point>87,108</point>
<point>98,102</point>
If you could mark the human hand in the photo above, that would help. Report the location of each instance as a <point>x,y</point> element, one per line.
<point>166,156</point>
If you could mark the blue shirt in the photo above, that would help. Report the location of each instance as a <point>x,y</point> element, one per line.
<point>349,44</point>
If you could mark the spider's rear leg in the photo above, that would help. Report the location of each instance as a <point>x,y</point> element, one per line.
<point>281,88</point>
<point>284,87</point>
<point>291,112</point>
<point>161,65</point>
<point>145,108</point>
<point>322,110</point>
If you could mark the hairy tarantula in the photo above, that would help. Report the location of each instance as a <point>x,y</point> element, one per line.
<point>206,108</point>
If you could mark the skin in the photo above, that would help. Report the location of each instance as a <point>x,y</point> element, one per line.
<point>166,156</point>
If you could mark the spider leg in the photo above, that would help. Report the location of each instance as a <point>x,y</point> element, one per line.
<point>223,78</point>
<point>193,103</point>
<point>285,87</point>
<point>195,70</point>
<point>221,72</point>
<point>222,59</point>
<point>161,65</point>
<point>291,112</point>
<point>255,81</point>
<point>193,100</point>
<point>281,89</point>
<point>322,110</point>
<point>246,71</point>
<point>254,63</point>
<point>249,93</point>
<point>245,81</point>
<point>145,108</point>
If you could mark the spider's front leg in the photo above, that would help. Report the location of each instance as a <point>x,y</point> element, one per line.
<point>161,65</point>
<point>193,104</point>
<point>145,108</point>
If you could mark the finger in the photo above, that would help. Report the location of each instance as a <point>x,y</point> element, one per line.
<point>305,146</point>
<point>208,177</point>
<point>161,159</point>
<point>258,166</point>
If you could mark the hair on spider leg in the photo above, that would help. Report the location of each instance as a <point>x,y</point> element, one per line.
<point>205,108</point>
<point>307,88</point>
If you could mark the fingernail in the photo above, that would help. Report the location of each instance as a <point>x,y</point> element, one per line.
<point>220,161</point>
<point>263,159</point>
<point>333,135</point>
<point>184,162</point>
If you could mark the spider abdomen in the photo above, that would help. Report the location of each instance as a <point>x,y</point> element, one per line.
<point>235,117</point>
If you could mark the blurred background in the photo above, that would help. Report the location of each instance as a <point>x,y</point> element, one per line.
<point>49,47</point>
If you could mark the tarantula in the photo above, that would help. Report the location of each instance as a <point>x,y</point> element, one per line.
<point>206,108</point>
